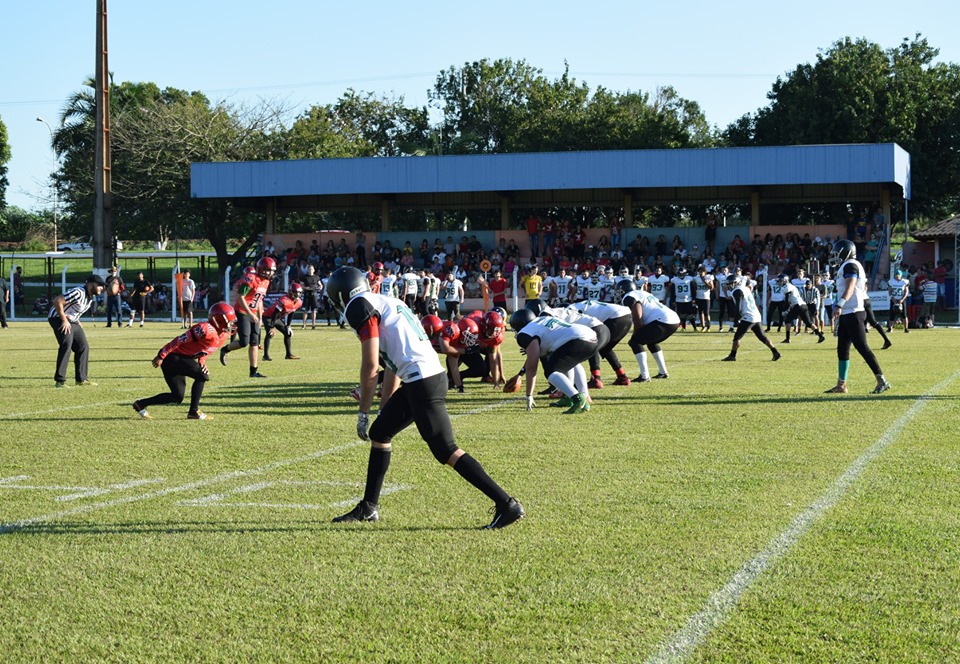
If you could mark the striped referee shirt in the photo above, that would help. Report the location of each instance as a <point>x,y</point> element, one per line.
<point>75,304</point>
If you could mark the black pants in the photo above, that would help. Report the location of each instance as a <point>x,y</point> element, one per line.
<point>422,402</point>
<point>851,332</point>
<point>3,310</point>
<point>477,365</point>
<point>248,331</point>
<point>176,369</point>
<point>618,330</point>
<point>75,340</point>
<point>603,339</point>
<point>569,355</point>
<point>779,307</point>
<point>283,328</point>
<point>746,326</point>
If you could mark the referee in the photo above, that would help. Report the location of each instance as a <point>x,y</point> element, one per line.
<point>64,318</point>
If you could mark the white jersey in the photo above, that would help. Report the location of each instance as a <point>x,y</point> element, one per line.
<point>574,316</point>
<point>591,291</point>
<point>609,288</point>
<point>799,283</point>
<point>682,289</point>
<point>722,290</point>
<point>776,291</point>
<point>653,309</point>
<point>792,295</point>
<point>404,346</point>
<point>409,283</point>
<point>387,286</point>
<point>431,287</point>
<point>581,283</point>
<point>747,306</point>
<point>554,333</point>
<point>704,286</point>
<point>602,311</point>
<point>812,297</point>
<point>451,290</point>
<point>852,269</point>
<point>898,288</point>
<point>658,286</point>
<point>562,287</point>
<point>829,291</point>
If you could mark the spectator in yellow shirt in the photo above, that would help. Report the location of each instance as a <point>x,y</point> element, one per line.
<point>532,283</point>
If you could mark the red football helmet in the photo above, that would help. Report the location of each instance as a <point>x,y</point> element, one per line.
<point>222,317</point>
<point>296,290</point>
<point>432,325</point>
<point>492,324</point>
<point>266,267</point>
<point>469,331</point>
<point>377,267</point>
<point>250,269</point>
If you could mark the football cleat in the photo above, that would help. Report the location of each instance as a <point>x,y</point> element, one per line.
<point>85,383</point>
<point>641,379</point>
<point>836,389</point>
<point>776,355</point>
<point>61,385</point>
<point>563,402</point>
<point>355,393</point>
<point>579,405</point>
<point>267,358</point>
<point>198,416</point>
<point>504,515</point>
<point>595,384</point>
<point>882,387</point>
<point>291,357</point>
<point>729,358</point>
<point>257,374</point>
<point>545,391</point>
<point>622,380</point>
<point>886,345</point>
<point>661,376</point>
<point>364,511</point>
<point>223,356</point>
<point>141,411</point>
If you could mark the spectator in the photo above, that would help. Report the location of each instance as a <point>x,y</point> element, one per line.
<point>138,298</point>
<point>471,290</point>
<point>18,298</point>
<point>361,250</point>
<point>710,232</point>
<point>425,254</point>
<point>114,293</point>
<point>870,254</point>
<point>500,288</point>
<point>533,231</point>
<point>547,230</point>
<point>188,290</point>
<point>616,226</point>
<point>4,302</point>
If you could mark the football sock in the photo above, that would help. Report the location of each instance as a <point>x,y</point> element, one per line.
<point>471,470</point>
<point>661,363</point>
<point>195,393</point>
<point>642,361</point>
<point>562,383</point>
<point>376,470</point>
<point>580,379</point>
<point>843,368</point>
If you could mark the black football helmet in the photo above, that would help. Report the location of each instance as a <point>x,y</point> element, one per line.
<point>732,280</point>
<point>535,306</point>
<point>682,272</point>
<point>521,318</point>
<point>343,284</point>
<point>843,250</point>
<point>624,286</point>
<point>783,279</point>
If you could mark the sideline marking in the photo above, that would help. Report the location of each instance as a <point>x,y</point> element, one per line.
<point>6,528</point>
<point>719,605</point>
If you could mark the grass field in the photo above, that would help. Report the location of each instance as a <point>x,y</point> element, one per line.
<point>733,513</point>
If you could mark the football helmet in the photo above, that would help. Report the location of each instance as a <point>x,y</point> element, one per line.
<point>432,325</point>
<point>501,311</point>
<point>492,324</point>
<point>595,278</point>
<point>732,280</point>
<point>343,284</point>
<point>624,271</point>
<point>377,267</point>
<point>250,269</point>
<point>521,318</point>
<point>296,290</point>
<point>266,267</point>
<point>624,286</point>
<point>469,331</point>
<point>783,279</point>
<point>536,307</point>
<point>843,250</point>
<point>682,272</point>
<point>223,317</point>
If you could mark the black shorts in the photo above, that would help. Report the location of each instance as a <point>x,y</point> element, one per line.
<point>137,303</point>
<point>569,355</point>
<point>685,309</point>
<point>309,301</point>
<point>187,306</point>
<point>248,332</point>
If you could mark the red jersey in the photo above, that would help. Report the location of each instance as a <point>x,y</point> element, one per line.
<point>499,289</point>
<point>490,342</point>
<point>199,341</point>
<point>284,306</point>
<point>375,280</point>
<point>252,288</point>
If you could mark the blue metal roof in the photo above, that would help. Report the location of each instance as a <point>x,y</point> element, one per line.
<point>886,163</point>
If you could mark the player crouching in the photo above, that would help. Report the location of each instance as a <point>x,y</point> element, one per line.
<point>184,357</point>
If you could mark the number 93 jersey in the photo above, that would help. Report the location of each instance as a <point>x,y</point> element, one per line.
<point>404,347</point>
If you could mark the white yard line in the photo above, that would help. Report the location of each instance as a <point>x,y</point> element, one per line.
<point>14,526</point>
<point>724,601</point>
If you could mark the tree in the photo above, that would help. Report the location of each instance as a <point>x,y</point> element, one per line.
<point>4,159</point>
<point>856,92</point>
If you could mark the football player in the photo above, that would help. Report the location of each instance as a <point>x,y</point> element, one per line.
<point>703,283</point>
<point>658,284</point>
<point>797,308</point>
<point>375,276</point>
<point>849,316</point>
<point>414,389</point>
<point>279,317</point>
<point>682,287</point>
<point>747,317</point>
<point>899,292</point>
<point>185,357</point>
<point>249,310</point>
<point>559,294</point>
<point>653,323</point>
<point>567,345</point>
<point>616,318</point>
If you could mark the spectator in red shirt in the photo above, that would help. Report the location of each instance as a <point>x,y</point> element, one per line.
<point>548,229</point>
<point>579,242</point>
<point>500,289</point>
<point>185,357</point>
<point>533,230</point>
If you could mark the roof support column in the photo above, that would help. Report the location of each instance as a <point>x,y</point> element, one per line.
<point>628,211</point>
<point>271,211</point>
<point>384,216</point>
<point>504,213</point>
<point>755,208</point>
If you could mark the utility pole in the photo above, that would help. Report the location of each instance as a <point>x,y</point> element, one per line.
<point>103,246</point>
<point>53,177</point>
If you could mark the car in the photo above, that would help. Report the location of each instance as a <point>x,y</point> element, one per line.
<point>82,244</point>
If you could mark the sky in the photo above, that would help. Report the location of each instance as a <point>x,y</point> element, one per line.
<point>723,55</point>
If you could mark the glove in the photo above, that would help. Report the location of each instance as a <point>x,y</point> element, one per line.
<point>530,403</point>
<point>363,422</point>
<point>460,389</point>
